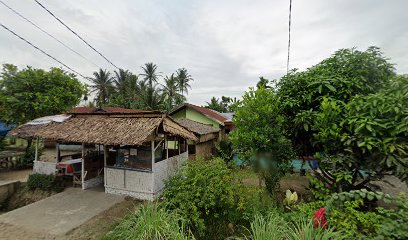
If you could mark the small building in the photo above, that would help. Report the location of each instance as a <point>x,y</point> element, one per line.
<point>207,136</point>
<point>125,150</point>
<point>221,121</point>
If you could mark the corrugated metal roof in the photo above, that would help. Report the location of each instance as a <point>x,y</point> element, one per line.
<point>205,111</point>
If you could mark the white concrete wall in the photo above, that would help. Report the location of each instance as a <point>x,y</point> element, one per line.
<point>7,188</point>
<point>133,183</point>
<point>165,169</point>
<point>93,182</point>
<point>140,184</point>
<point>44,167</point>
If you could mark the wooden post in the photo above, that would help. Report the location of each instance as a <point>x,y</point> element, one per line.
<point>153,158</point>
<point>58,152</point>
<point>105,160</point>
<point>186,146</point>
<point>36,149</point>
<point>167,146</point>
<point>105,155</point>
<point>178,144</point>
<point>83,165</point>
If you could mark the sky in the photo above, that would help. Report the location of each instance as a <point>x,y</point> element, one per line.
<point>225,45</point>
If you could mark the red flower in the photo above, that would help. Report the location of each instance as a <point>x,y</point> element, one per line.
<point>319,219</point>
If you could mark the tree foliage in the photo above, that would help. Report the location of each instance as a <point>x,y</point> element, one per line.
<point>143,91</point>
<point>223,105</point>
<point>344,112</point>
<point>30,93</point>
<point>259,135</point>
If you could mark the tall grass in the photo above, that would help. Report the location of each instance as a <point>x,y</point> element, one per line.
<point>151,222</point>
<point>274,227</point>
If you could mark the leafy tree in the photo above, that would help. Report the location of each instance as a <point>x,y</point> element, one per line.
<point>103,85</point>
<point>216,105</point>
<point>369,134</point>
<point>225,104</point>
<point>183,79</point>
<point>31,93</point>
<point>339,111</point>
<point>263,83</point>
<point>342,76</point>
<point>259,135</point>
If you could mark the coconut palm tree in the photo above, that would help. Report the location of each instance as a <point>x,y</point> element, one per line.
<point>151,98</point>
<point>171,94</point>
<point>121,79</point>
<point>102,84</point>
<point>150,73</point>
<point>183,80</point>
<point>215,104</point>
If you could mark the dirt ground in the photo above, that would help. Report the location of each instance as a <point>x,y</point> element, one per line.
<point>390,184</point>
<point>99,225</point>
<point>16,175</point>
<point>22,197</point>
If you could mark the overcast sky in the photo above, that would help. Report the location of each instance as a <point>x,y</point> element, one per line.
<point>225,44</point>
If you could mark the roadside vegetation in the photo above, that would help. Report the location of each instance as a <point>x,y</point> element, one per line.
<point>349,112</point>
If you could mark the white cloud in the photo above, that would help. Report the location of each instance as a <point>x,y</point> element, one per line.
<point>225,45</point>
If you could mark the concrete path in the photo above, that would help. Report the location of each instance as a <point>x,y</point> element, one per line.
<point>55,216</point>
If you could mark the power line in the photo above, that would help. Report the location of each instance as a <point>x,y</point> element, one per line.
<point>89,45</point>
<point>25,40</point>
<point>53,37</point>
<point>290,22</point>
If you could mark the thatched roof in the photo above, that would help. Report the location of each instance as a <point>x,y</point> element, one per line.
<point>29,129</point>
<point>107,110</point>
<point>196,127</point>
<point>110,130</point>
<point>26,131</point>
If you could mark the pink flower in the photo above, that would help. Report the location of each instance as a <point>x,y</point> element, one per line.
<point>319,219</point>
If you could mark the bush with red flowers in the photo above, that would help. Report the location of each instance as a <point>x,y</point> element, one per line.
<point>319,219</point>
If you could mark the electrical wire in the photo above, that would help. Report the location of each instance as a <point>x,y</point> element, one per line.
<point>34,46</point>
<point>290,22</point>
<point>49,34</point>
<point>76,34</point>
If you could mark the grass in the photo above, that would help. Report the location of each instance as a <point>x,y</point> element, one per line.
<point>150,221</point>
<point>274,227</point>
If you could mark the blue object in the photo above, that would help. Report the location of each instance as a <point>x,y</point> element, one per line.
<point>4,128</point>
<point>297,164</point>
<point>237,161</point>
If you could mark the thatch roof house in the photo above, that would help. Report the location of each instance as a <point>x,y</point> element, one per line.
<point>135,159</point>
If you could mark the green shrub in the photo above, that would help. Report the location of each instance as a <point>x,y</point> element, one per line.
<point>353,221</point>
<point>203,192</point>
<point>317,188</point>
<point>44,182</point>
<point>3,143</point>
<point>394,222</point>
<point>152,222</point>
<point>225,151</point>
